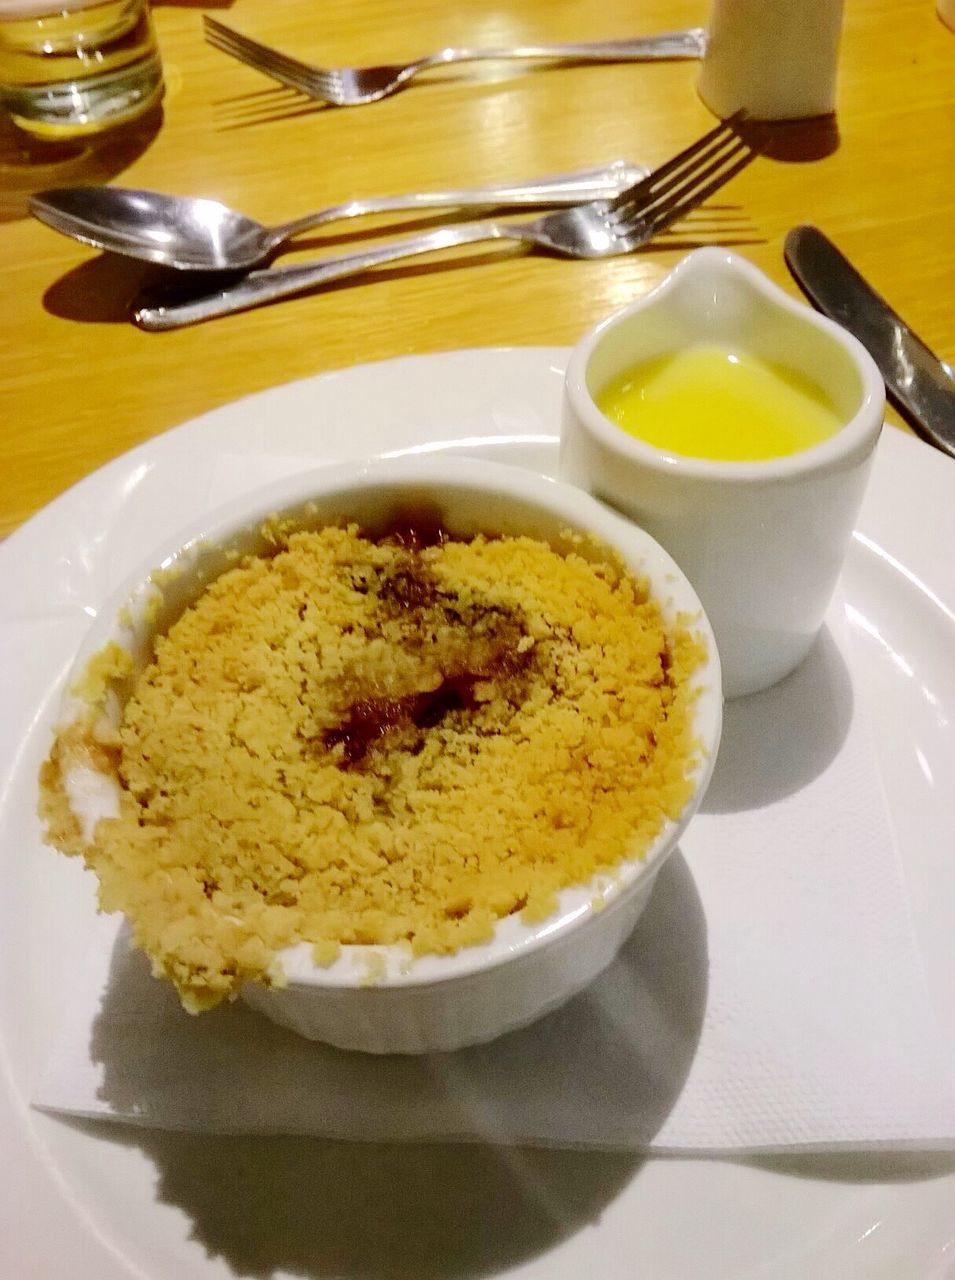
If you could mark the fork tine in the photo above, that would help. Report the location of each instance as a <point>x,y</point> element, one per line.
<point>213,27</point>
<point>291,80</point>
<point>290,71</point>
<point>704,161</point>
<point>305,74</point>
<point>724,129</point>
<point>709,142</point>
<point>227,44</point>
<point>249,50</point>
<point>686,182</point>
<point>680,186</point>
<point>672,191</point>
<point>233,39</point>
<point>696,195</point>
<point>312,81</point>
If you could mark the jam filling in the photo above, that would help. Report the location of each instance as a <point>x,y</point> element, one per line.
<point>486,643</point>
<point>371,718</point>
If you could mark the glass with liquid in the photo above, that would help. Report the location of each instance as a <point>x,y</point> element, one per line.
<point>78,66</point>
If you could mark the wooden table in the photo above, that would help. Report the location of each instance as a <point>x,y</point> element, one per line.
<point>79,384</point>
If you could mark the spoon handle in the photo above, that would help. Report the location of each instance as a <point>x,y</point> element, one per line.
<point>598,182</point>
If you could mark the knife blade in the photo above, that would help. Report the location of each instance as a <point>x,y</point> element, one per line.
<point>919,384</point>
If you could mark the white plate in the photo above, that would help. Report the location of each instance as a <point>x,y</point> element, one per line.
<point>94,1202</point>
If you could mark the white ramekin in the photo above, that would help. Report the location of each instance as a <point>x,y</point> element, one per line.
<point>375,998</point>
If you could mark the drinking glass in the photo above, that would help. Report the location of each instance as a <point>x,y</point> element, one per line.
<point>74,67</point>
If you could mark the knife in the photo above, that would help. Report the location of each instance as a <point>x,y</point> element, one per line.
<point>920,385</point>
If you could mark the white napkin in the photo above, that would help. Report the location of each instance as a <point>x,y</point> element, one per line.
<point>770,999</point>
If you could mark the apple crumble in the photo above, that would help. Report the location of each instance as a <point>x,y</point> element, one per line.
<point>399,737</point>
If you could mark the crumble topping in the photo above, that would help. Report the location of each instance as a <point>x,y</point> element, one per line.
<point>373,739</point>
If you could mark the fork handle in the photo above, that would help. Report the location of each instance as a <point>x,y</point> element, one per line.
<point>259,287</point>
<point>690,43</point>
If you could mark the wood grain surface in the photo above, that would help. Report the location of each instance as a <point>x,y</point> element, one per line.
<point>79,384</point>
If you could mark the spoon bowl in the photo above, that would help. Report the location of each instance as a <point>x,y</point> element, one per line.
<point>190,234</point>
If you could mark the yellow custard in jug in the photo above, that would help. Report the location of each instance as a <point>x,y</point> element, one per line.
<point>708,401</point>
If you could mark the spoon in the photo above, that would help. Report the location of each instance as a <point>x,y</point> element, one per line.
<point>195,234</point>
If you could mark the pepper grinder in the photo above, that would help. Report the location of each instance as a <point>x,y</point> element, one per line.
<point>776,59</point>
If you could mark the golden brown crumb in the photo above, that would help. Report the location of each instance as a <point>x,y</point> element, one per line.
<point>367,741</point>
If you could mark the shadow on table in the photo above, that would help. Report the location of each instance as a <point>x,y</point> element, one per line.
<point>722,224</point>
<point>795,141</point>
<point>310,1207</point>
<point>776,742</point>
<point>102,289</point>
<point>105,289</point>
<point>278,102</point>
<point>859,1166</point>
<point>397,1210</point>
<point>275,103</point>
<point>29,164</point>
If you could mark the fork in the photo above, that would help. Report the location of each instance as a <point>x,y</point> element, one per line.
<point>598,229</point>
<point>354,86</point>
